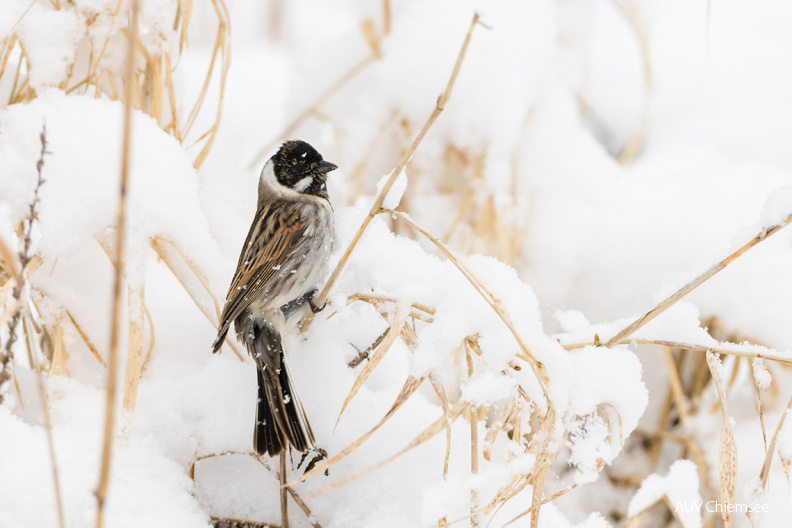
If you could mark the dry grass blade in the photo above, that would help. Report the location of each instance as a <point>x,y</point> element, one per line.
<point>636,142</point>
<point>405,158</point>
<point>409,388</point>
<point>22,314</point>
<point>11,261</point>
<point>120,245</point>
<point>537,367</point>
<point>544,461</point>
<point>755,365</point>
<point>284,495</point>
<point>695,283</point>
<point>684,416</point>
<point>457,410</point>
<point>185,272</point>
<point>86,340</point>
<point>304,507</point>
<point>59,354</point>
<point>390,337</point>
<point>765,473</point>
<point>441,395</point>
<point>727,449</point>
<point>551,498</point>
<point>230,522</point>
<point>634,522</point>
<point>47,423</point>
<point>134,367</point>
<point>473,441</point>
<point>223,42</point>
<point>746,351</point>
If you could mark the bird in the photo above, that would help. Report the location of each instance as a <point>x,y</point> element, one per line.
<point>283,261</point>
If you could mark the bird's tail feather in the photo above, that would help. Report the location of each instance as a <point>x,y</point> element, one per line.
<point>280,417</point>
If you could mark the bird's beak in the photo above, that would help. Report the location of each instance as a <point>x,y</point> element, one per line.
<point>326,167</point>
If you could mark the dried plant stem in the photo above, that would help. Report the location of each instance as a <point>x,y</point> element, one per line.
<point>680,401</point>
<point>19,316</point>
<point>134,366</point>
<point>537,367</point>
<point>765,473</point>
<point>695,283</point>
<point>727,448</point>
<point>304,507</point>
<point>47,423</point>
<point>638,138</point>
<point>746,352</point>
<point>222,43</point>
<point>20,275</point>
<point>284,494</point>
<point>473,445</point>
<point>405,158</point>
<point>120,244</point>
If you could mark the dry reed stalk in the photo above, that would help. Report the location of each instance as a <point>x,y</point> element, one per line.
<point>546,500</point>
<point>47,423</point>
<point>377,205</point>
<point>20,316</point>
<point>134,366</point>
<point>746,351</point>
<point>228,522</point>
<point>86,340</point>
<point>224,42</point>
<point>765,473</point>
<point>9,268</point>
<point>418,311</point>
<point>185,271</point>
<point>536,365</point>
<point>120,245</point>
<point>386,16</point>
<point>409,388</point>
<point>636,141</point>
<point>727,448</point>
<point>353,72</point>
<point>441,395</point>
<point>175,130</point>
<point>399,318</point>
<point>168,252</point>
<point>304,507</point>
<point>59,354</point>
<point>364,354</point>
<point>22,260</point>
<point>681,403</point>
<point>473,444</point>
<point>759,408</point>
<point>664,305</point>
<point>438,425</point>
<point>284,495</point>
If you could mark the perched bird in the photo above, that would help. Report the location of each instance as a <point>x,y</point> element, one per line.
<point>283,260</point>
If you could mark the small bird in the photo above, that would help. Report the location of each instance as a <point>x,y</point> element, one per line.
<point>283,260</point>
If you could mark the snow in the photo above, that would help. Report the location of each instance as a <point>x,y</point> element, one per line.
<point>396,191</point>
<point>679,486</point>
<point>50,37</point>
<point>518,177</point>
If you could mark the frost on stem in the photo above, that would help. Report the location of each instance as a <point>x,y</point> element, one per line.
<point>7,354</point>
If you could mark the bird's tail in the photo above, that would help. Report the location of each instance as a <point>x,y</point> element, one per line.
<point>280,417</point>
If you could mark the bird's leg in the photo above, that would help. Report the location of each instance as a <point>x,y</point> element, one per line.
<point>310,298</point>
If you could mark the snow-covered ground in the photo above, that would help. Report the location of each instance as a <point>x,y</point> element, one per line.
<point>519,176</point>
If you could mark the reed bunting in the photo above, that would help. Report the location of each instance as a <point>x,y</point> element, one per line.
<point>283,260</point>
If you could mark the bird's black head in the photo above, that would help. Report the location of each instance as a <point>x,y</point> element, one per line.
<point>299,166</point>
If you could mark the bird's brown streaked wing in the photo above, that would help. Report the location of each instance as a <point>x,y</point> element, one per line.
<point>271,239</point>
